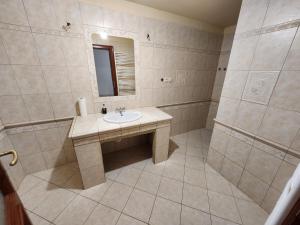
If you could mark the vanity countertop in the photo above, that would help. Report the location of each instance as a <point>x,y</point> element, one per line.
<point>94,124</point>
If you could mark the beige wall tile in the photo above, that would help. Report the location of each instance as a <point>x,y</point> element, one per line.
<point>269,58</point>
<point>280,12</point>
<point>231,171</point>
<point>287,91</point>
<point>30,79</point>
<point>13,12</point>
<point>270,199</point>
<point>282,132</point>
<point>91,14</point>
<point>263,165</point>
<point>41,14</point>
<point>39,107</point>
<point>50,49</point>
<point>25,143</point>
<point>8,84</point>
<point>253,187</point>
<point>227,110</point>
<point>291,62</point>
<point>285,171</point>
<point>259,86</point>
<point>254,114</point>
<point>57,79</point>
<point>13,110</point>
<point>63,105</point>
<point>16,40</point>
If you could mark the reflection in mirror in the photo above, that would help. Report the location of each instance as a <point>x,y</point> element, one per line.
<point>114,64</point>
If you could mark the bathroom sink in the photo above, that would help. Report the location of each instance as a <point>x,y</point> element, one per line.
<point>124,117</point>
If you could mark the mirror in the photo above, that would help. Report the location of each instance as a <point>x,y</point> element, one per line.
<point>114,64</point>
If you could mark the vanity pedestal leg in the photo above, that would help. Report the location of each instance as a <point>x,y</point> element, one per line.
<point>160,147</point>
<point>90,163</point>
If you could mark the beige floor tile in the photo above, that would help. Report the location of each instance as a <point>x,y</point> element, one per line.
<point>36,220</point>
<point>148,182</point>
<point>139,205</point>
<point>174,171</point>
<point>129,176</point>
<point>191,216</point>
<point>54,203</point>
<point>116,196</point>
<point>170,189</point>
<point>139,165</point>
<point>127,220</point>
<point>193,151</point>
<point>37,195</point>
<point>223,206</point>
<point>195,177</point>
<point>237,193</point>
<point>157,168</point>
<point>251,213</point>
<point>97,192</point>
<point>28,183</point>
<point>219,221</point>
<point>165,212</point>
<point>194,162</point>
<point>195,197</point>
<point>113,174</point>
<point>180,138</point>
<point>218,184</point>
<point>177,158</point>
<point>76,212</point>
<point>103,215</point>
<point>58,175</point>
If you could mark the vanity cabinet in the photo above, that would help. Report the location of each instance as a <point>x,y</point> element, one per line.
<point>90,132</point>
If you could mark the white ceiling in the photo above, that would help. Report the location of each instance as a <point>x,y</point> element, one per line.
<point>220,13</point>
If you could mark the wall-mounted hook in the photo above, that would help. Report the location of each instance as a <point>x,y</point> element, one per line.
<point>148,37</point>
<point>67,27</point>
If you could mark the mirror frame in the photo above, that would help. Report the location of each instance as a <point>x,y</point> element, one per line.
<point>88,31</point>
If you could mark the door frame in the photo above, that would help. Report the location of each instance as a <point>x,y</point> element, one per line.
<point>112,65</point>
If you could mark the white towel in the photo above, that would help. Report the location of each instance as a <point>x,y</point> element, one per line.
<point>287,200</point>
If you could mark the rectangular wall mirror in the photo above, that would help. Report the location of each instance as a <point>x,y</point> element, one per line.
<point>114,64</point>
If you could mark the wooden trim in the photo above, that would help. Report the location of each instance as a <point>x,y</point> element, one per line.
<point>112,64</point>
<point>293,218</point>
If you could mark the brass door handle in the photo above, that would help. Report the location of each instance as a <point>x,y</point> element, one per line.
<point>15,156</point>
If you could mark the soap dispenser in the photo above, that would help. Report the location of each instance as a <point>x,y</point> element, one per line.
<point>104,109</point>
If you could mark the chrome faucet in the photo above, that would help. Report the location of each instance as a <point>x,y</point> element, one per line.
<point>120,110</point>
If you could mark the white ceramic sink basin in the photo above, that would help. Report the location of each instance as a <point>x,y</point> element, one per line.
<point>125,117</point>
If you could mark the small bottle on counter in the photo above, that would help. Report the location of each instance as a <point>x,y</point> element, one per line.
<point>104,109</point>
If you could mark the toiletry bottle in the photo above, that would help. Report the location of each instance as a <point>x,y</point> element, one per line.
<point>104,109</point>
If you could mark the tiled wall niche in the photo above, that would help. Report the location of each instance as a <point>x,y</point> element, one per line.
<point>43,71</point>
<point>255,143</point>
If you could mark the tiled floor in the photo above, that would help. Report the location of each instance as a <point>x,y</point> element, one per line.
<point>184,190</point>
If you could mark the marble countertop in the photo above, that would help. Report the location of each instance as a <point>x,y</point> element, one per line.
<point>93,124</point>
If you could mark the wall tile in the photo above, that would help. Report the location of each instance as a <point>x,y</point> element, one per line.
<point>91,14</point>
<point>16,40</point>
<point>263,165</point>
<point>238,151</point>
<point>227,110</point>
<point>33,163</point>
<point>234,84</point>
<point>259,86</point>
<point>13,12</point>
<point>49,49</point>
<point>296,142</point>
<point>30,79</point>
<point>249,116</point>
<point>8,84</point>
<point>68,11</point>
<point>219,141</point>
<point>54,158</point>
<point>25,143</point>
<point>80,79</point>
<point>231,171</point>
<point>75,51</point>
<point>41,13</point>
<point>282,11</point>
<point>287,91</point>
<point>242,53</point>
<point>48,139</point>
<point>284,173</point>
<point>57,79</point>
<point>280,126</point>
<point>3,56</point>
<point>39,107</point>
<point>253,187</point>
<point>63,105</point>
<point>270,200</point>
<point>269,58</point>
<point>252,15</point>
<point>13,110</point>
<point>292,60</point>
<point>113,19</point>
